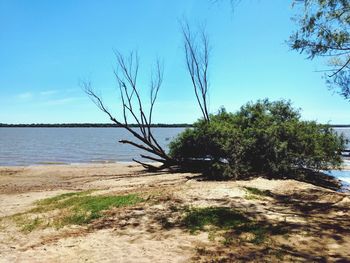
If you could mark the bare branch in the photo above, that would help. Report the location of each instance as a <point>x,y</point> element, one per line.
<point>149,166</point>
<point>126,78</point>
<point>341,68</point>
<point>137,145</point>
<point>197,61</point>
<point>156,82</point>
<point>151,158</point>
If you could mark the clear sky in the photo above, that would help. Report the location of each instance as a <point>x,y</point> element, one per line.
<point>48,47</point>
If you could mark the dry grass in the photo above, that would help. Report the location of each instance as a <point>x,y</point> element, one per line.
<point>76,208</point>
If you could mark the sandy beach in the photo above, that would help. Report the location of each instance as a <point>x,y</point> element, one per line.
<point>289,221</point>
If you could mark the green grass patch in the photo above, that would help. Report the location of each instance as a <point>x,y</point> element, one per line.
<point>228,222</point>
<point>31,225</point>
<point>220,217</point>
<point>255,193</point>
<point>60,197</point>
<point>27,222</point>
<point>84,209</point>
<point>77,208</point>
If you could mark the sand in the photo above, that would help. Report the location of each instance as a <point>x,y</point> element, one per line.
<point>304,222</point>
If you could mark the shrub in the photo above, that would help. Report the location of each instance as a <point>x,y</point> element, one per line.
<point>261,138</point>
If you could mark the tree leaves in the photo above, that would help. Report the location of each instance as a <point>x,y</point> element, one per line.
<point>324,31</point>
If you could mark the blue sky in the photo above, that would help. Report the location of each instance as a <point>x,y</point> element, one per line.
<point>48,47</point>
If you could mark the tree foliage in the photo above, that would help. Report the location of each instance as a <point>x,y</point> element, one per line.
<point>324,30</point>
<point>261,138</point>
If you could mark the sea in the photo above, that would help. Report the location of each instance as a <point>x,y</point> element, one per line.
<point>40,146</point>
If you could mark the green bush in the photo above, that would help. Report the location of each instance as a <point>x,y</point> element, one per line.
<point>261,138</point>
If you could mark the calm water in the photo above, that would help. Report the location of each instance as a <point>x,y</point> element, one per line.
<point>343,175</point>
<point>27,146</point>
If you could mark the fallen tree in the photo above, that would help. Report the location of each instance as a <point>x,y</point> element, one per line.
<point>262,138</point>
<point>196,47</point>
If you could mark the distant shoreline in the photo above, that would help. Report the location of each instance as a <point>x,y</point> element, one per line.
<point>89,125</point>
<point>111,125</point>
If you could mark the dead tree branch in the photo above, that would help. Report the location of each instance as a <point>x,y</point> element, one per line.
<point>197,53</point>
<point>133,107</point>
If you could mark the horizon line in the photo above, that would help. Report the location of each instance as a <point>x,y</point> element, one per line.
<point>113,125</point>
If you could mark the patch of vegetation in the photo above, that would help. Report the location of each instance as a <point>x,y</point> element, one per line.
<point>226,220</point>
<point>262,138</point>
<point>255,193</point>
<point>31,225</point>
<point>72,209</point>
<point>220,217</point>
<point>27,222</point>
<point>51,200</point>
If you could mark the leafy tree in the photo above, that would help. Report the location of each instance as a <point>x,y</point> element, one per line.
<point>261,138</point>
<point>324,31</point>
